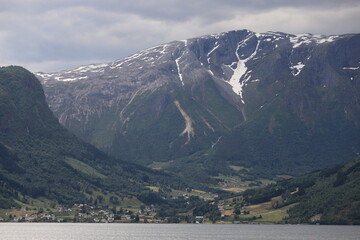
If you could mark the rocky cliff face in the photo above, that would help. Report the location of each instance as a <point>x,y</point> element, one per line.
<point>196,97</point>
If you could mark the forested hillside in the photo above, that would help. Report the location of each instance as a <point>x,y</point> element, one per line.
<point>40,158</point>
<point>330,196</point>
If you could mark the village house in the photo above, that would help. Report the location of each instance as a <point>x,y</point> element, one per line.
<point>199,219</point>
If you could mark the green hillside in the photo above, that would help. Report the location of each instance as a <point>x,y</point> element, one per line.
<point>40,158</point>
<point>330,196</point>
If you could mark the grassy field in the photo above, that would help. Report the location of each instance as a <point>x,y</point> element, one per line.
<point>153,188</point>
<point>237,184</point>
<point>274,215</point>
<point>83,167</point>
<point>196,193</point>
<point>160,165</point>
<point>267,212</point>
<point>238,168</point>
<point>235,189</point>
<point>258,213</point>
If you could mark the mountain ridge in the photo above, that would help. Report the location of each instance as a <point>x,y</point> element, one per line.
<point>223,82</point>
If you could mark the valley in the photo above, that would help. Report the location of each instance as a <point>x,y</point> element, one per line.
<point>229,128</point>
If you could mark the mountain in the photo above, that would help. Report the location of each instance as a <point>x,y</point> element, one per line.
<point>329,196</point>
<point>238,102</point>
<point>39,158</point>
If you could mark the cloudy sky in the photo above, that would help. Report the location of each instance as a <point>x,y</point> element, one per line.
<point>53,35</point>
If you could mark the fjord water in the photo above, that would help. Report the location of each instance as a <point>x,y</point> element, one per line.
<point>78,231</point>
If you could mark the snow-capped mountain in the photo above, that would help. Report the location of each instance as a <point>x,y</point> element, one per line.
<point>200,98</point>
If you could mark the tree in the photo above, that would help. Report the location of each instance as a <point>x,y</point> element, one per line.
<point>237,211</point>
<point>214,216</point>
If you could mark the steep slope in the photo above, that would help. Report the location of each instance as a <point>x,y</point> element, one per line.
<point>275,103</point>
<point>40,158</point>
<point>309,120</point>
<point>330,196</point>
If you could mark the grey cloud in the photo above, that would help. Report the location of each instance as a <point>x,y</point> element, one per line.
<point>53,35</point>
<point>174,10</point>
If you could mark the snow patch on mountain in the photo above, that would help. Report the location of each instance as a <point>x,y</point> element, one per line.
<point>211,72</point>
<point>212,50</point>
<point>89,68</point>
<point>241,68</point>
<point>216,35</point>
<point>70,79</point>
<point>177,62</point>
<point>162,52</point>
<point>300,39</point>
<point>59,77</point>
<point>351,68</point>
<point>178,70</point>
<point>44,76</point>
<point>296,69</point>
<point>185,42</point>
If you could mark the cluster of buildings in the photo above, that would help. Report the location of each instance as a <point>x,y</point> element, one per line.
<point>84,213</point>
<point>37,218</point>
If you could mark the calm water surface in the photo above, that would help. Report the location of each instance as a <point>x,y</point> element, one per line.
<point>78,231</point>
